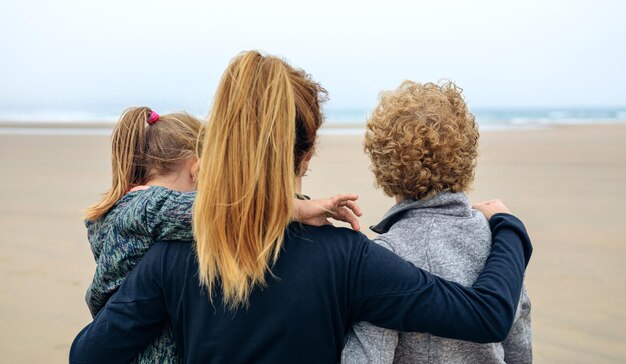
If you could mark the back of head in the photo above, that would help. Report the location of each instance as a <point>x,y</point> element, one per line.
<point>264,119</point>
<point>421,139</point>
<point>145,145</point>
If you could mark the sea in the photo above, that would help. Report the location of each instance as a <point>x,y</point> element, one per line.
<point>346,121</point>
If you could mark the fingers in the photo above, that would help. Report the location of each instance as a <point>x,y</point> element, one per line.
<point>345,209</point>
<point>344,197</point>
<point>491,207</point>
<point>345,214</point>
<point>340,207</point>
<point>352,206</point>
<point>347,200</point>
<point>486,203</point>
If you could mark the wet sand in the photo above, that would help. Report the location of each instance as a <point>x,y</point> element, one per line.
<point>565,183</point>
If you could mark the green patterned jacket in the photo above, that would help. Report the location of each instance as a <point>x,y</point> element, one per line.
<point>120,239</point>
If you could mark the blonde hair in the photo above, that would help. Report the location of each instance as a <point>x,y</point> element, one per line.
<point>264,119</point>
<point>421,139</point>
<point>141,151</point>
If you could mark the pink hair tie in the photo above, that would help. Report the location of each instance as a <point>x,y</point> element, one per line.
<point>153,118</point>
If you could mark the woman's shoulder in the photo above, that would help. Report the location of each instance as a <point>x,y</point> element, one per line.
<point>327,237</point>
<point>174,254</point>
<point>325,231</point>
<point>172,248</point>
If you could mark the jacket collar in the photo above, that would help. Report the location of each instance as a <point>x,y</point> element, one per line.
<point>445,203</point>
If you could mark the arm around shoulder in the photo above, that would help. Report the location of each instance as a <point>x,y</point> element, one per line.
<point>133,317</point>
<point>392,293</point>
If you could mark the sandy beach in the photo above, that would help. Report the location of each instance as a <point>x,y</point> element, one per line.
<point>566,183</point>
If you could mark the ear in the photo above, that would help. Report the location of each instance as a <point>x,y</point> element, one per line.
<point>304,166</point>
<point>194,167</point>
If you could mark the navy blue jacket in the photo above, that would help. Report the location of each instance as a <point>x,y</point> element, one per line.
<point>326,279</point>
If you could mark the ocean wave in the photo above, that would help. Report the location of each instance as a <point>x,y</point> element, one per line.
<point>339,122</point>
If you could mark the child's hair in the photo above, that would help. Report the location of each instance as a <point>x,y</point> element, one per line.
<point>421,140</point>
<point>146,145</point>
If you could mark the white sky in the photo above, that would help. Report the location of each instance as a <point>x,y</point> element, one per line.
<point>80,53</point>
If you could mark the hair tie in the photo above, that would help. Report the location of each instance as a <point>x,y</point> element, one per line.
<point>153,118</point>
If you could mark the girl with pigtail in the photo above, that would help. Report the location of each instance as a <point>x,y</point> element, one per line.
<point>154,162</point>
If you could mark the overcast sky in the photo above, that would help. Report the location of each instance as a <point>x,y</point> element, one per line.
<point>79,54</point>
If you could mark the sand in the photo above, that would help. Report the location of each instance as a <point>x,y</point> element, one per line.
<point>565,183</point>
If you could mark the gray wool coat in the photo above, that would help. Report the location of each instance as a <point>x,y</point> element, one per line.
<point>445,236</point>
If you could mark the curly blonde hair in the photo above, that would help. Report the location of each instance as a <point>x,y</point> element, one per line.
<point>421,139</point>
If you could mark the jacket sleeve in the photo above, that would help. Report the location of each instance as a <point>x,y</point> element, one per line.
<point>132,318</point>
<point>389,292</point>
<point>518,344</point>
<point>169,216</point>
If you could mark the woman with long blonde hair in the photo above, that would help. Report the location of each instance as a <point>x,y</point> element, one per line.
<point>255,287</point>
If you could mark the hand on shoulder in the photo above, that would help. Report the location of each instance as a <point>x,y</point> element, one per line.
<point>339,207</point>
<point>491,207</point>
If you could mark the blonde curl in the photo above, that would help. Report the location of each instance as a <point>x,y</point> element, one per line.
<point>421,139</point>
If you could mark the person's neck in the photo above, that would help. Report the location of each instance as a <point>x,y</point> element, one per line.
<point>298,185</point>
<point>173,181</point>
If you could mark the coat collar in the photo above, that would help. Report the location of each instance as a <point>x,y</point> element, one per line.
<point>444,203</point>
